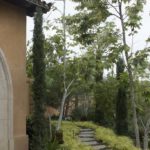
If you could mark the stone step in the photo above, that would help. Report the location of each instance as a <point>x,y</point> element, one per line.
<point>99,147</point>
<point>85,130</point>
<point>90,134</point>
<point>87,139</point>
<point>86,135</point>
<point>92,143</point>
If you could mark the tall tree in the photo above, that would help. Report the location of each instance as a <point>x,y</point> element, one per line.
<point>39,138</point>
<point>133,23</point>
<point>128,13</point>
<point>121,101</point>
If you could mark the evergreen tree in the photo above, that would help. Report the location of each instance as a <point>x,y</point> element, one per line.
<point>121,103</point>
<point>39,137</point>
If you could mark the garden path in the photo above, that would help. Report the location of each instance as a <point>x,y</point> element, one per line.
<point>87,137</point>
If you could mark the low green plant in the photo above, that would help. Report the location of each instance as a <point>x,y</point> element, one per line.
<point>71,140</point>
<point>108,137</point>
<point>53,145</point>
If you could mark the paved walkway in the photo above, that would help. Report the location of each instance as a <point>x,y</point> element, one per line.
<point>87,137</point>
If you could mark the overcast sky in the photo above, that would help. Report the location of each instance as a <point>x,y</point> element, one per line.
<point>139,39</point>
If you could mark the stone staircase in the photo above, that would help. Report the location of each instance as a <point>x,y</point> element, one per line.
<point>87,137</point>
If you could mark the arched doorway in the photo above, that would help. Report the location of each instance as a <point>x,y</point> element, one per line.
<point>6,105</point>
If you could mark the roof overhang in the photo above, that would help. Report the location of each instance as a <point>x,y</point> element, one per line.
<point>31,5</point>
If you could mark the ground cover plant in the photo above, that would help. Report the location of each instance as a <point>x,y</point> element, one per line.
<point>107,136</point>
<point>70,137</point>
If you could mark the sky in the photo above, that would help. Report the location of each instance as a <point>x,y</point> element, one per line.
<point>139,39</point>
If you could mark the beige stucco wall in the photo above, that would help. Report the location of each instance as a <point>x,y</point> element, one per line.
<point>13,44</point>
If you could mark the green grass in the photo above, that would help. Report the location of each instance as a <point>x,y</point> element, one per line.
<point>72,142</point>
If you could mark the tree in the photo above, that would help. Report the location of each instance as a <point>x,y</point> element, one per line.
<point>121,101</point>
<point>39,138</point>
<point>128,13</point>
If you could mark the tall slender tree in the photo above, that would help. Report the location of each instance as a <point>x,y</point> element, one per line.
<point>121,103</point>
<point>39,122</point>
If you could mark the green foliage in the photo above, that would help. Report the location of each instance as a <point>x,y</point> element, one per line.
<point>83,23</point>
<point>71,142</point>
<point>29,64</point>
<point>39,123</point>
<point>30,132</point>
<point>105,95</point>
<point>79,113</point>
<point>134,15</point>
<point>140,62</point>
<point>53,146</point>
<point>143,98</point>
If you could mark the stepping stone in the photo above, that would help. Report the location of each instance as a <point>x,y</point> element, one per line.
<point>92,143</point>
<point>87,139</point>
<point>86,135</point>
<point>85,130</point>
<point>99,147</point>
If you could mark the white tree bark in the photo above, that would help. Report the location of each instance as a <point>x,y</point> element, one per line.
<point>146,131</point>
<point>61,110</point>
<point>65,95</point>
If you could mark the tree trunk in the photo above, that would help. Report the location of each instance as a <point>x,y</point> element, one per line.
<point>146,130</point>
<point>135,120</point>
<point>145,140</point>
<point>61,110</point>
<point>129,69</point>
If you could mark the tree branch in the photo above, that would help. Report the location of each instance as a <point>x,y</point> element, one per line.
<point>113,7</point>
<point>69,85</point>
<point>115,15</point>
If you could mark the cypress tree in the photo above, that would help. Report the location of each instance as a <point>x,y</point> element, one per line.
<point>39,123</point>
<point>121,103</point>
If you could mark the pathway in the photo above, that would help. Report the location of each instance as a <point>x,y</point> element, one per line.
<point>87,137</point>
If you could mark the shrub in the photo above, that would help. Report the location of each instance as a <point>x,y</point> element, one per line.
<point>30,132</point>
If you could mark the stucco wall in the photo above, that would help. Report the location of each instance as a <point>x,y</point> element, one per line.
<point>13,44</point>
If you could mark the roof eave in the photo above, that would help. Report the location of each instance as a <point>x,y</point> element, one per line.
<point>30,5</point>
